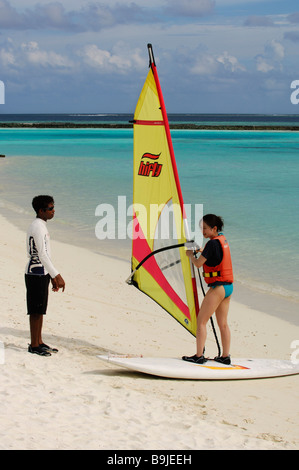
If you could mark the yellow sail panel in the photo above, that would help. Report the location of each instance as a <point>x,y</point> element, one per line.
<point>158,224</point>
<point>148,105</point>
<point>154,183</point>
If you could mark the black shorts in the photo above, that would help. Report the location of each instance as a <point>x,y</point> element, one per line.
<point>37,293</point>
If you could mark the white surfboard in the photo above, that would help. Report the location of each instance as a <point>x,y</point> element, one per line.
<point>178,369</point>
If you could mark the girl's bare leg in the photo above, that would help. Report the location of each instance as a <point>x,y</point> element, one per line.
<point>210,304</point>
<point>221,316</point>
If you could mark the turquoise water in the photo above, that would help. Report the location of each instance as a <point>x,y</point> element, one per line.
<point>248,177</point>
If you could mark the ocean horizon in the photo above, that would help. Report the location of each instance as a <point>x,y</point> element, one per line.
<point>250,178</point>
<point>174,118</point>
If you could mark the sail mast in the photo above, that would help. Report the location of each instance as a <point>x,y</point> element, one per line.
<point>174,165</point>
<point>167,130</point>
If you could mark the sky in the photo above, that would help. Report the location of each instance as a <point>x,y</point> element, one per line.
<point>88,56</point>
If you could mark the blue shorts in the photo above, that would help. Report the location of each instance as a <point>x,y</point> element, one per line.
<point>228,289</point>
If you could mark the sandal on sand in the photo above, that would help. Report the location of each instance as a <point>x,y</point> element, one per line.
<point>38,350</point>
<point>45,347</point>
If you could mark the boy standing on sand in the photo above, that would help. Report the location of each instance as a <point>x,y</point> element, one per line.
<point>39,271</point>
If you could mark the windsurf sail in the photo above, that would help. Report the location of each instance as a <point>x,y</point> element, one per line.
<point>160,267</point>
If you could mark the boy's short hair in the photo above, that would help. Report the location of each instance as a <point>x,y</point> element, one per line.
<point>41,202</point>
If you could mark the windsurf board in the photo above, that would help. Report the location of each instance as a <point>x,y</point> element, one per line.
<point>176,368</point>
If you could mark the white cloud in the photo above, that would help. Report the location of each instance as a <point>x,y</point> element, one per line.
<point>230,62</point>
<point>7,54</point>
<point>7,58</point>
<point>29,54</point>
<point>114,61</point>
<point>207,64</point>
<point>262,65</point>
<point>102,59</point>
<point>44,58</point>
<point>204,65</point>
<point>272,58</point>
<point>275,50</point>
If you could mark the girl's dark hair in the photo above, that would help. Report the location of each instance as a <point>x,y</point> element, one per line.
<point>213,220</point>
<point>41,202</point>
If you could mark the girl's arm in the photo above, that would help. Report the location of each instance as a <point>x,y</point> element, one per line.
<point>198,262</point>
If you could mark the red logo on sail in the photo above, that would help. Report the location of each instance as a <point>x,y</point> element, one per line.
<point>151,156</point>
<point>149,168</point>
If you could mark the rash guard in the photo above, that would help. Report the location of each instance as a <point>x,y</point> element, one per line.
<point>38,249</point>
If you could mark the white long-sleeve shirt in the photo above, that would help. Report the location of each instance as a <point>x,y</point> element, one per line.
<point>38,249</point>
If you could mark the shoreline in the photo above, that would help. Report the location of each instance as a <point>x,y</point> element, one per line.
<point>280,306</point>
<point>78,402</point>
<point>72,125</point>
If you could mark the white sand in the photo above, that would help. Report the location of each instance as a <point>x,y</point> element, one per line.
<point>72,400</point>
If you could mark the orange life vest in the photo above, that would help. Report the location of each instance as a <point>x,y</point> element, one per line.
<point>224,271</point>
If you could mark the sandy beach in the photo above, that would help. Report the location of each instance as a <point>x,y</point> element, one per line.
<point>72,400</point>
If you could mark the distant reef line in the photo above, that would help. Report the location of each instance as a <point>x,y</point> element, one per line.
<point>75,125</point>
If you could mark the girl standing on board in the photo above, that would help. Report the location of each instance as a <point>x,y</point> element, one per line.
<point>218,274</point>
